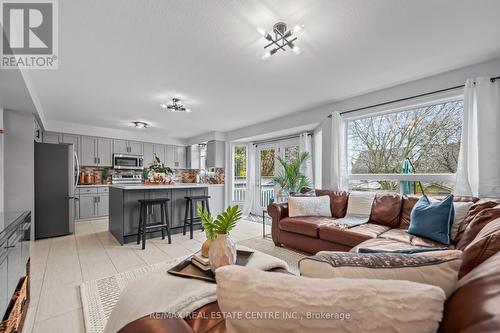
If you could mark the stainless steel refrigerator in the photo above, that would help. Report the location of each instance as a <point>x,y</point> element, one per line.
<point>56,177</point>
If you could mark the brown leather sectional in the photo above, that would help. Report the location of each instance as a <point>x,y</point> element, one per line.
<point>473,307</point>
<point>389,219</point>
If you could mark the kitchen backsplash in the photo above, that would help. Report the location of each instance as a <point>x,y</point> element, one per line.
<point>93,175</point>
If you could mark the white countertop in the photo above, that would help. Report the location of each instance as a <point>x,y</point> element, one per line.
<point>158,187</point>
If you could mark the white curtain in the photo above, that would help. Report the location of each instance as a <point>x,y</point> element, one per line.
<point>338,157</point>
<point>251,168</point>
<point>478,169</point>
<point>306,147</point>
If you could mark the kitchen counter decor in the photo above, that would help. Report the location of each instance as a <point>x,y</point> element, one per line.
<point>158,173</point>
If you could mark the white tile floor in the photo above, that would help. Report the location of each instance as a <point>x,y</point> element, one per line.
<point>59,265</point>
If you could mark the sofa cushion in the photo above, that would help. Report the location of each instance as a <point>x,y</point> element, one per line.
<point>474,305</point>
<point>353,236</point>
<point>309,206</point>
<point>304,225</point>
<point>485,245</point>
<point>407,204</point>
<point>475,209</point>
<point>360,203</point>
<point>325,305</point>
<point>384,245</point>
<point>477,224</point>
<point>440,272</point>
<point>338,201</point>
<point>432,219</point>
<point>386,209</point>
<point>403,236</point>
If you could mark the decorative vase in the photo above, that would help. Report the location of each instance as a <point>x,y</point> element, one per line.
<point>222,252</point>
<point>205,248</point>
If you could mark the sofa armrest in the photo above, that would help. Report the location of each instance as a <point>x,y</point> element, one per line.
<point>277,211</point>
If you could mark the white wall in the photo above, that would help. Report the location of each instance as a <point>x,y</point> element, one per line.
<point>18,161</point>
<point>1,161</point>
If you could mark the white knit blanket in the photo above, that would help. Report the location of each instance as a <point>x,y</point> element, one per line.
<point>172,295</point>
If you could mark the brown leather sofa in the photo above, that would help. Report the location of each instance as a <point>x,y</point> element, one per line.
<point>389,219</point>
<point>473,307</point>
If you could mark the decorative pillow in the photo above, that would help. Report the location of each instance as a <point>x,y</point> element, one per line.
<point>461,210</point>
<point>439,272</point>
<point>309,206</point>
<point>432,220</point>
<point>360,203</point>
<point>274,302</point>
<point>485,245</point>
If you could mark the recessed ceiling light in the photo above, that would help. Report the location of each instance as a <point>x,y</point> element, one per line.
<point>140,124</point>
<point>283,39</point>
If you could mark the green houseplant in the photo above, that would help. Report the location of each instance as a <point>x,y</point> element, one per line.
<point>220,247</point>
<point>290,177</point>
<point>157,171</point>
<point>105,175</point>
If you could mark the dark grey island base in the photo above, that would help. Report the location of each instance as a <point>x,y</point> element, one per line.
<point>124,207</point>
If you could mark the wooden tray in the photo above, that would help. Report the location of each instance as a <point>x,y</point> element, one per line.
<point>188,270</point>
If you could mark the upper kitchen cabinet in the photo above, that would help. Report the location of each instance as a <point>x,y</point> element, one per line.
<point>216,154</point>
<point>148,153</point>
<point>127,147</point>
<point>170,155</point>
<point>160,151</point>
<point>51,137</point>
<point>74,139</point>
<point>180,157</point>
<point>96,151</point>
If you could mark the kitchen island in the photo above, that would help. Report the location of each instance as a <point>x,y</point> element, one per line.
<point>124,207</point>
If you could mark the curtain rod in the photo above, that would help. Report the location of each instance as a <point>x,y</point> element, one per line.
<point>492,79</point>
<point>280,138</point>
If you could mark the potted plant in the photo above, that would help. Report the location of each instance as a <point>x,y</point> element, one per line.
<point>158,172</point>
<point>222,250</point>
<point>105,175</point>
<point>290,177</point>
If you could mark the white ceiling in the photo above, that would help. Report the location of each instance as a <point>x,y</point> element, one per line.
<point>120,59</point>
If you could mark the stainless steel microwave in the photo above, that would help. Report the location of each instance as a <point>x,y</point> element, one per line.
<point>127,162</point>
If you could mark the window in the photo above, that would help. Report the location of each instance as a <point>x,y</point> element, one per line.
<point>239,173</point>
<point>427,137</point>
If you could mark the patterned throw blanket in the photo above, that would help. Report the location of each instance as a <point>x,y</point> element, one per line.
<point>350,221</point>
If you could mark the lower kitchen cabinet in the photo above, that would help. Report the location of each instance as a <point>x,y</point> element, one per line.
<point>94,204</point>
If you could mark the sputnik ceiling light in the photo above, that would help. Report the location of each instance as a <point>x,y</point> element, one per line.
<point>283,39</point>
<point>140,124</point>
<point>175,106</point>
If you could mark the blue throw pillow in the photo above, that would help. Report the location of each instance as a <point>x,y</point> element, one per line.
<point>432,220</point>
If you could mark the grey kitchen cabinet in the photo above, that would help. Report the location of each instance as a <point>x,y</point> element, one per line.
<point>76,204</point>
<point>103,204</point>
<point>93,202</point>
<point>148,154</point>
<point>105,152</point>
<point>170,155</point>
<point>87,206</point>
<point>180,157</point>
<point>127,147</point>
<point>216,154</point>
<point>37,131</point>
<point>88,151</point>
<point>75,140</point>
<point>160,151</point>
<point>96,151</point>
<point>51,137</point>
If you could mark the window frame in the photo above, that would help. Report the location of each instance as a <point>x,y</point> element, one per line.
<point>394,108</point>
<point>233,175</point>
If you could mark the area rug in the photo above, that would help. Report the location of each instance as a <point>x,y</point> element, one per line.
<point>100,296</point>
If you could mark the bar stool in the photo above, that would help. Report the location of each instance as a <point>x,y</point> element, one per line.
<point>148,205</point>
<point>189,218</point>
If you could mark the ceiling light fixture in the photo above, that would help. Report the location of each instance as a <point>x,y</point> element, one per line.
<point>283,39</point>
<point>140,124</point>
<point>175,106</point>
